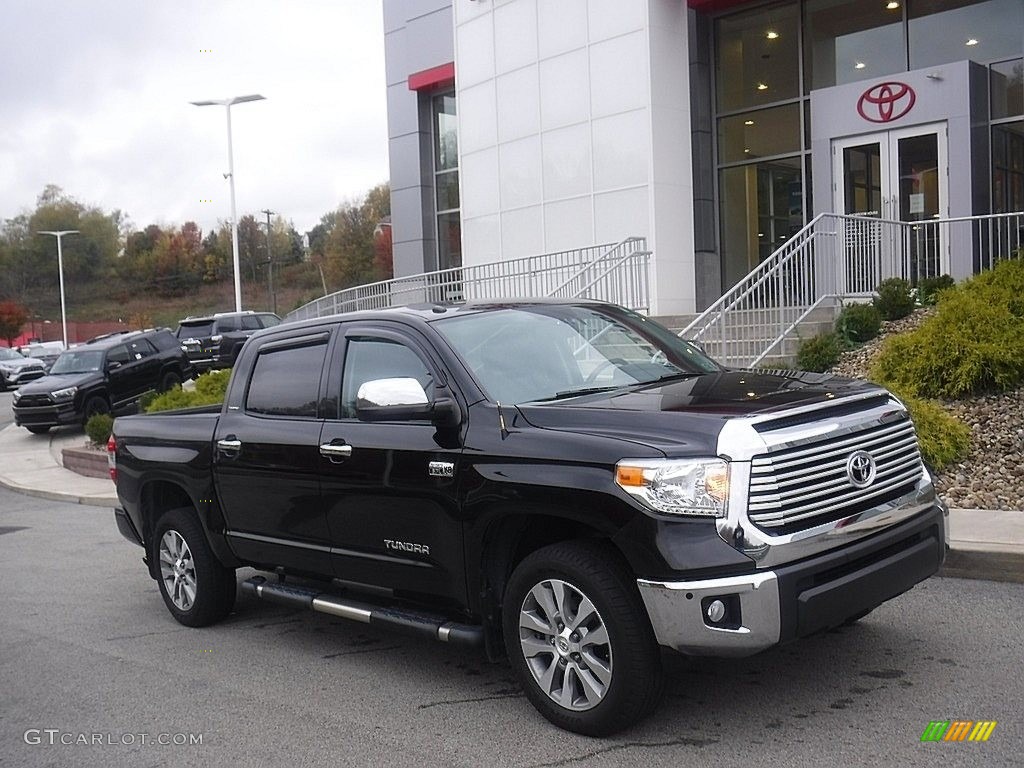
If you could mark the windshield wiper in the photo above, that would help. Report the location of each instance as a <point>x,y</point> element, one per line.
<point>675,376</point>
<point>576,393</point>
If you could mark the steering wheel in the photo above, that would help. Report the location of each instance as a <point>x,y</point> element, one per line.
<point>592,376</point>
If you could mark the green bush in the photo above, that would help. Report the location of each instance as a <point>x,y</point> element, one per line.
<point>943,438</point>
<point>210,389</point>
<point>98,428</point>
<point>894,299</point>
<point>928,289</point>
<point>858,323</point>
<point>819,353</point>
<point>973,343</point>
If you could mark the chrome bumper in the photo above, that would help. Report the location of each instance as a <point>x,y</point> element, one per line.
<point>676,613</point>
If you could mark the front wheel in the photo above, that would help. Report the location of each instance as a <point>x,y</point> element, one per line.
<point>579,639</point>
<point>196,588</point>
<point>96,405</point>
<point>38,430</point>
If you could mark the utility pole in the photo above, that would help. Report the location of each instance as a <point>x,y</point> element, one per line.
<point>60,270</point>
<point>270,263</point>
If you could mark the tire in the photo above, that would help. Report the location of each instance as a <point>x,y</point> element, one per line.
<point>169,380</point>
<point>197,589</point>
<point>38,430</point>
<point>94,405</point>
<point>612,683</point>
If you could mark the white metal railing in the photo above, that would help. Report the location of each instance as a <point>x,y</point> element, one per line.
<point>839,256</point>
<point>580,273</point>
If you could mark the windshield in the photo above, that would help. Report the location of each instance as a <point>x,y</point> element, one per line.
<point>9,354</point>
<point>73,361</point>
<point>196,330</point>
<point>531,353</point>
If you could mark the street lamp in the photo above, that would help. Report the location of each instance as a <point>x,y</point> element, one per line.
<point>227,104</point>
<point>60,271</point>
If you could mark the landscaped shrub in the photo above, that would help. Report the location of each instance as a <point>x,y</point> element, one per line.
<point>858,323</point>
<point>973,343</point>
<point>943,438</point>
<point>98,428</point>
<point>819,353</point>
<point>928,289</point>
<point>894,299</point>
<point>210,389</point>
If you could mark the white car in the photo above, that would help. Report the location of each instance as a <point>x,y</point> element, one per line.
<point>16,369</point>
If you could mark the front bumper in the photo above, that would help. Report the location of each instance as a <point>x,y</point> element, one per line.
<point>775,606</point>
<point>17,378</point>
<point>55,415</point>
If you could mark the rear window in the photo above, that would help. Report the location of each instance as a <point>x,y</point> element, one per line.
<point>228,324</point>
<point>163,340</point>
<point>269,321</point>
<point>250,323</point>
<point>286,381</point>
<point>188,330</point>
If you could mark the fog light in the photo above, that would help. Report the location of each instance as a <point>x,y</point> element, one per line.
<point>716,611</point>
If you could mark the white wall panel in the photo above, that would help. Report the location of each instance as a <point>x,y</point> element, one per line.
<point>621,150</point>
<point>565,89</point>
<point>519,169</point>
<point>515,35</point>
<point>561,26</point>
<point>567,162</point>
<point>477,115</point>
<point>522,233</point>
<point>518,103</point>
<point>618,74</point>
<point>568,223</point>
<point>478,182</point>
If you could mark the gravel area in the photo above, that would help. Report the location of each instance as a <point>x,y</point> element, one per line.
<point>992,474</point>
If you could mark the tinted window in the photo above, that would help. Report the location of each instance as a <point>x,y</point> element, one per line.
<point>118,355</point>
<point>250,323</point>
<point>198,330</point>
<point>163,340</point>
<point>227,324</point>
<point>139,349</point>
<point>80,361</point>
<point>370,359</point>
<point>286,382</point>
<point>269,321</point>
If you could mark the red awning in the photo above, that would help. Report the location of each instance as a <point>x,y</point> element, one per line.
<point>433,78</point>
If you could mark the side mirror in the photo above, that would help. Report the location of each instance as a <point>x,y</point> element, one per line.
<point>403,399</point>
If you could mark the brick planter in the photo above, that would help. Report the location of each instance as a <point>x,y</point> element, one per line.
<point>90,462</point>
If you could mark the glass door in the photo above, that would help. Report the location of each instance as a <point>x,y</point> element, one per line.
<point>885,179</point>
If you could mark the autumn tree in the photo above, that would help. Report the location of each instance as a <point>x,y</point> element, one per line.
<point>349,254</point>
<point>12,317</point>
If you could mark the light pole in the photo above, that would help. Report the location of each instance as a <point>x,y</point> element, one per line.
<point>60,271</point>
<point>227,104</point>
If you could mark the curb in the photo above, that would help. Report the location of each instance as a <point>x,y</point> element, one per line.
<point>89,501</point>
<point>974,562</point>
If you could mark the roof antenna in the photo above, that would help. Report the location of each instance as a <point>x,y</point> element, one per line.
<point>501,421</point>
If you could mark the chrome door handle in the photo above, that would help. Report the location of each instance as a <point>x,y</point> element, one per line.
<point>230,445</point>
<point>334,451</point>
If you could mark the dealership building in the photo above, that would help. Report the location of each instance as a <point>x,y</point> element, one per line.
<point>714,129</point>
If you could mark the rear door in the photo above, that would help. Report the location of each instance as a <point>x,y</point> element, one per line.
<point>144,366</point>
<point>391,504</point>
<point>267,458</point>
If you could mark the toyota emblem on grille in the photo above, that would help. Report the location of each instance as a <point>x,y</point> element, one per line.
<point>860,469</point>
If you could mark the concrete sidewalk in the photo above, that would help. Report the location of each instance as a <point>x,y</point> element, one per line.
<point>984,544</point>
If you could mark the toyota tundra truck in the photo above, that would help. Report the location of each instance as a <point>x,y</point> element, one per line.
<point>567,484</point>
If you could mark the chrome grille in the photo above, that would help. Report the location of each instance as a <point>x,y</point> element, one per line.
<point>807,485</point>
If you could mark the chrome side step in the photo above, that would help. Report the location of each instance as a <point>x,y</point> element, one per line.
<point>410,622</point>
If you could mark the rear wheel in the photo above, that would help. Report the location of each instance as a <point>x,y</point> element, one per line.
<point>196,588</point>
<point>579,639</point>
<point>170,380</point>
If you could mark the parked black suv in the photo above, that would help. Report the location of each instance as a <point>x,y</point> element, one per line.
<point>107,373</point>
<point>214,341</point>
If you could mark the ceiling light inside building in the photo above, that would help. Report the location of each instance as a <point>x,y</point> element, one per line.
<point>762,86</point>
<point>772,34</point>
<point>746,151</point>
<point>748,122</point>
<point>893,6</point>
<point>859,65</point>
<point>972,41</point>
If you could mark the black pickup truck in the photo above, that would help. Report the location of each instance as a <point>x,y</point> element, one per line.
<point>567,484</point>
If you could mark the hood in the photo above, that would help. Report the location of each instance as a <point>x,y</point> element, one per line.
<point>51,383</point>
<point>687,415</point>
<point>25,362</point>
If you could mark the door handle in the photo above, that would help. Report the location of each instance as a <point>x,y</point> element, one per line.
<point>335,451</point>
<point>230,444</point>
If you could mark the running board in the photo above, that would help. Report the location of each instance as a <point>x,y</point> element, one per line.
<point>409,622</point>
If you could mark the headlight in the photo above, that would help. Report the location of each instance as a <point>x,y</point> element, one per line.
<point>17,396</point>
<point>64,394</point>
<point>677,486</point>
<point>7,367</point>
<point>216,339</point>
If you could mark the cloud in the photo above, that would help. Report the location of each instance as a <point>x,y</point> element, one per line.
<point>95,98</point>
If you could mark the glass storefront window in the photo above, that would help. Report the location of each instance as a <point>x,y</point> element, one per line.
<point>446,182</point>
<point>1008,167</point>
<point>943,31</point>
<point>764,133</point>
<point>1007,79</point>
<point>850,40</point>
<point>756,57</point>
<point>761,209</point>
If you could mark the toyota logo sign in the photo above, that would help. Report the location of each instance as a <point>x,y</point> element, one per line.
<point>886,102</point>
<point>860,469</point>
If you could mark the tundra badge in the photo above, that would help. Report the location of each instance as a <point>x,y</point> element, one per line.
<point>441,469</point>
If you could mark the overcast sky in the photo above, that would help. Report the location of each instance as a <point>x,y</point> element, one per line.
<point>94,97</point>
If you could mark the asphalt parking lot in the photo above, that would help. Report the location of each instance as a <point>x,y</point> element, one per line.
<point>87,647</point>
